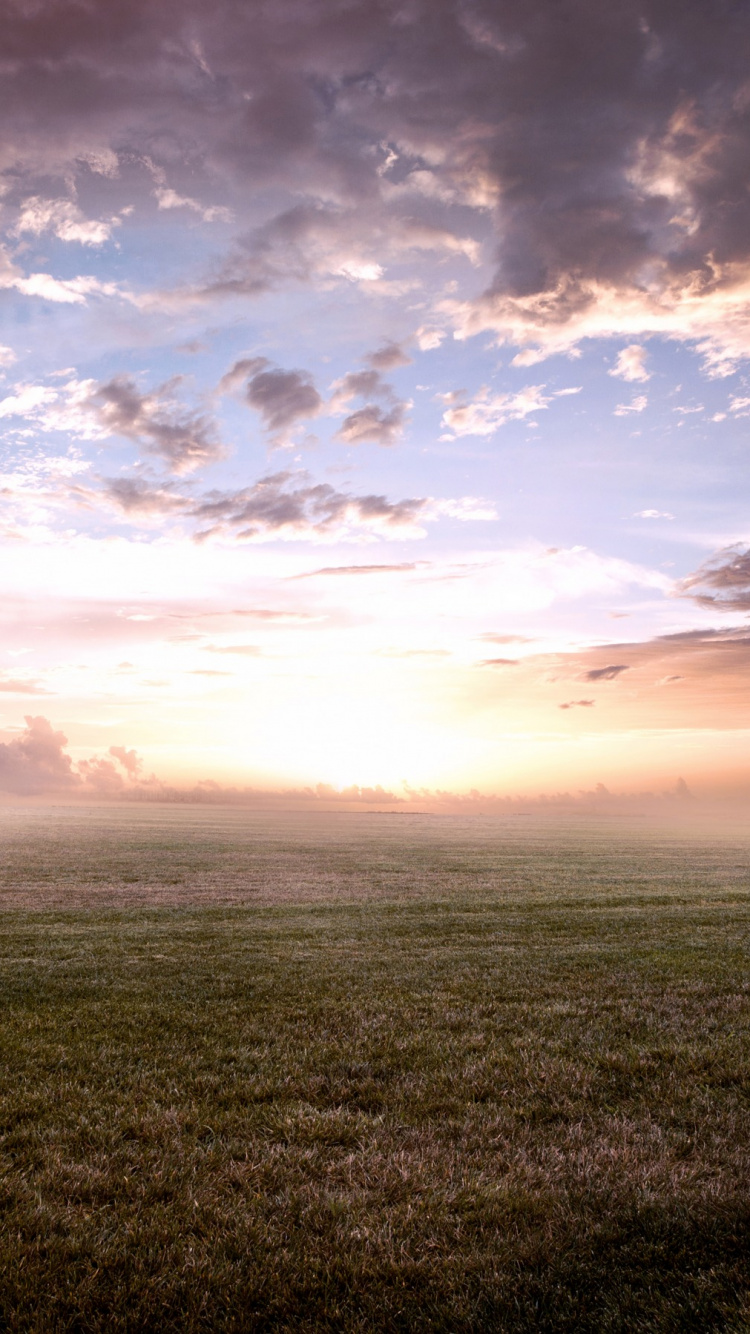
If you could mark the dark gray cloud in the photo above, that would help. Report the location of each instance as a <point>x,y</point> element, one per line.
<point>287,504</point>
<point>379,423</point>
<point>722,581</point>
<point>283,398</point>
<point>372,425</point>
<point>388,357</point>
<point>135,496</point>
<point>182,439</point>
<point>608,673</point>
<point>594,149</point>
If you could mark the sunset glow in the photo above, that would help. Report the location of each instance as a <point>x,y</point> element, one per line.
<point>375,399</point>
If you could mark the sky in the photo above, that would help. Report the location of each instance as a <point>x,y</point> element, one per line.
<point>375,396</point>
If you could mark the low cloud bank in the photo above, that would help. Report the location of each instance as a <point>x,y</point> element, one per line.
<point>36,763</point>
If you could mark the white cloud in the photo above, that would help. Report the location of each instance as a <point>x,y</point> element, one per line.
<point>631,364</point>
<point>360,271</point>
<point>68,291</point>
<point>26,400</point>
<point>468,509</point>
<point>64,219</point>
<point>716,321</point>
<point>428,339</point>
<point>486,413</point>
<point>167,198</point>
<point>636,405</point>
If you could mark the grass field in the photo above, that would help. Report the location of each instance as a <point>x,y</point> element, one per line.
<point>372,1073</point>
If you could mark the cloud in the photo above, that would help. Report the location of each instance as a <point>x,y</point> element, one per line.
<point>608,203</point>
<point>379,423</point>
<point>288,506</point>
<point>486,413</point>
<point>401,568</point>
<point>167,198</point>
<point>182,439</point>
<point>134,496</point>
<point>9,686</point>
<point>631,364</point>
<point>723,581</point>
<point>154,420</point>
<point>653,514</point>
<point>491,638</point>
<point>638,404</point>
<point>283,398</point>
<point>578,704</point>
<point>64,219</point>
<point>608,673</point>
<point>36,761</point>
<point>129,759</point>
<point>65,291</point>
<point>372,425</point>
<point>388,357</point>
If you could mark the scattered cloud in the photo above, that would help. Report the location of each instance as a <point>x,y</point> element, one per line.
<point>379,423</point>
<point>578,704</point>
<point>723,581</point>
<point>634,231</point>
<point>608,673</point>
<point>283,398</point>
<point>289,506</point>
<point>486,413</point>
<point>183,440</point>
<point>631,363</point>
<point>638,404</point>
<point>373,424</point>
<point>130,760</point>
<point>64,219</point>
<point>35,761</point>
<point>388,357</point>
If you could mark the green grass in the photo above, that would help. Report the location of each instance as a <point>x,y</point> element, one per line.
<point>354,1075</point>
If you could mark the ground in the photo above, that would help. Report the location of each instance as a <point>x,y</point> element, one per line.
<point>265,1072</point>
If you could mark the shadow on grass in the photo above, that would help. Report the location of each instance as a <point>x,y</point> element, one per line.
<point>650,1269</point>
